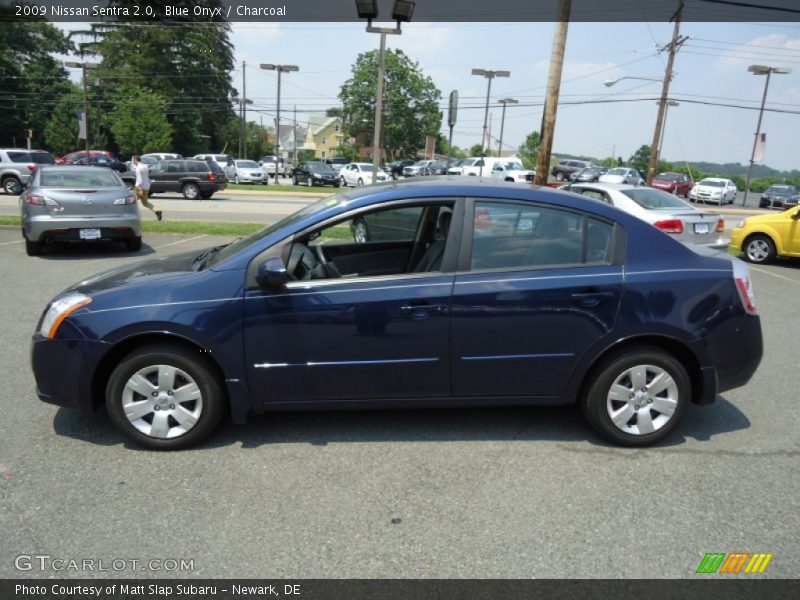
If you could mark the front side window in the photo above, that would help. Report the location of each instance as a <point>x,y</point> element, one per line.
<point>520,236</point>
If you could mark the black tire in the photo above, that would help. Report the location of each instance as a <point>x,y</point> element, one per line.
<point>192,364</point>
<point>294,181</point>
<point>32,248</point>
<point>343,182</point>
<point>236,179</point>
<point>360,182</point>
<point>597,402</point>
<point>191,191</point>
<point>360,231</point>
<point>560,176</point>
<point>134,244</point>
<point>12,186</point>
<point>336,185</point>
<point>759,249</point>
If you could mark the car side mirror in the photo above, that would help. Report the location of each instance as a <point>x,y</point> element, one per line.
<point>796,215</point>
<point>272,273</point>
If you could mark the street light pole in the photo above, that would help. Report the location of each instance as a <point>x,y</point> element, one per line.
<point>489,75</point>
<point>504,102</point>
<point>83,66</point>
<point>402,12</point>
<point>280,69</point>
<point>768,71</point>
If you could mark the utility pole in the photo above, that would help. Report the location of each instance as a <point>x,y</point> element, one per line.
<point>504,102</point>
<point>294,138</point>
<point>553,90</point>
<point>243,153</point>
<point>652,164</point>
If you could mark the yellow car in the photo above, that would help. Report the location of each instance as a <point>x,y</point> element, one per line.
<point>764,237</point>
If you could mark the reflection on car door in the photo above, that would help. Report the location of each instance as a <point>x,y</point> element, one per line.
<point>352,337</point>
<point>538,288</point>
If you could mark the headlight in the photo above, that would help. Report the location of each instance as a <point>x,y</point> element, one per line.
<point>60,310</point>
<point>317,176</point>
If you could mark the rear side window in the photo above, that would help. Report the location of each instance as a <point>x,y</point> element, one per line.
<point>198,167</point>
<point>23,156</point>
<point>515,236</point>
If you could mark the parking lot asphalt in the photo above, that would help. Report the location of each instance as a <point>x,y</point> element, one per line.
<point>479,493</point>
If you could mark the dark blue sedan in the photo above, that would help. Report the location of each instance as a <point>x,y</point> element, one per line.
<point>484,294</point>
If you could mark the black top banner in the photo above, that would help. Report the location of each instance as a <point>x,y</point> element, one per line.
<point>204,11</point>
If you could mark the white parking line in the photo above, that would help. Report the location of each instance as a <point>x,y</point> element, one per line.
<point>752,268</point>
<point>180,242</point>
<point>7,243</point>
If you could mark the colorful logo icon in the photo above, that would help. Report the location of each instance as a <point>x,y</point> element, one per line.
<point>734,563</point>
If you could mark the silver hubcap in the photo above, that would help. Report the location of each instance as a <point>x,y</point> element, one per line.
<point>642,399</point>
<point>360,233</point>
<point>162,401</point>
<point>757,250</point>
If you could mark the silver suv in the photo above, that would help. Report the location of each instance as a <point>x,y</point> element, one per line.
<point>17,165</point>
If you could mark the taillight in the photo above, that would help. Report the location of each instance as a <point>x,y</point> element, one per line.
<point>721,225</point>
<point>211,176</point>
<point>129,199</point>
<point>741,275</point>
<point>670,226</point>
<point>35,200</point>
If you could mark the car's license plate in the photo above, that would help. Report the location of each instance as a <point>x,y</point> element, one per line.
<point>90,234</point>
<point>701,227</point>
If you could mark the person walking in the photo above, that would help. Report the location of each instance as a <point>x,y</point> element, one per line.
<point>142,186</point>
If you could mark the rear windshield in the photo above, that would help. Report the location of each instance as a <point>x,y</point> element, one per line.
<point>337,161</point>
<point>39,158</point>
<point>80,178</point>
<point>669,176</point>
<point>650,198</point>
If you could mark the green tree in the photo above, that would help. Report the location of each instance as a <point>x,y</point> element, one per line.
<point>32,79</point>
<point>529,150</point>
<point>139,122</point>
<point>411,102</point>
<point>61,131</point>
<point>476,150</point>
<point>348,150</point>
<point>640,158</point>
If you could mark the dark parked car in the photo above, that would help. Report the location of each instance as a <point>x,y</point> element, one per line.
<point>560,299</point>
<point>314,173</point>
<point>73,157</point>
<point>395,168</point>
<point>779,196</point>
<point>565,168</point>
<point>103,161</point>
<point>192,178</point>
<point>589,174</point>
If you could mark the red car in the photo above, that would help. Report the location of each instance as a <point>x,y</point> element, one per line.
<point>675,183</point>
<point>74,157</point>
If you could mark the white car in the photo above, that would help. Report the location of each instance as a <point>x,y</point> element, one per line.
<point>249,171</point>
<point>661,209</point>
<point>512,170</point>
<point>622,175</point>
<point>715,190</point>
<point>359,174</point>
<point>225,162</point>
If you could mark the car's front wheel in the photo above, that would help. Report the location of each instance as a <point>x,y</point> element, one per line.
<point>343,181</point>
<point>164,397</point>
<point>637,397</point>
<point>759,249</point>
<point>560,176</point>
<point>360,182</point>
<point>191,191</point>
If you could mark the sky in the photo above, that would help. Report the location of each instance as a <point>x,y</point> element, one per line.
<point>710,67</point>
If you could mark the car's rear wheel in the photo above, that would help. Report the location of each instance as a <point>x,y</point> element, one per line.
<point>637,397</point>
<point>134,244</point>
<point>759,249</point>
<point>32,248</point>
<point>164,397</point>
<point>12,185</point>
<point>191,191</point>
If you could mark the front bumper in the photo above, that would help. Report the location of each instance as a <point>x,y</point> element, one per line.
<point>68,228</point>
<point>63,370</point>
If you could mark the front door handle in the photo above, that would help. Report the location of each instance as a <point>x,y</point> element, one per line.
<point>418,310</point>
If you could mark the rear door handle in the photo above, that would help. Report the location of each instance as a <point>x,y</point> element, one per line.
<point>590,299</point>
<point>421,310</point>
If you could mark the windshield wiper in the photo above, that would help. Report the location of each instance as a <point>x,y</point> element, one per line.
<point>202,260</point>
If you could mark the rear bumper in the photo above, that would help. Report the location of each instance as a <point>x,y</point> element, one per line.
<point>741,358</point>
<point>67,228</point>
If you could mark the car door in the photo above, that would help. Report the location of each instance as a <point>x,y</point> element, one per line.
<point>301,173</point>
<point>536,287</point>
<point>159,179</point>
<point>354,334</point>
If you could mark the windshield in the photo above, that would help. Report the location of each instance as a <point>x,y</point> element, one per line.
<point>89,178</point>
<point>782,190</point>
<point>256,236</point>
<point>420,163</point>
<point>712,183</point>
<point>247,164</point>
<point>617,172</point>
<point>655,199</point>
<point>669,176</point>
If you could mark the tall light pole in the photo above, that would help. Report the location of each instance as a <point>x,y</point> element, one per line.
<point>768,71</point>
<point>401,13</point>
<point>83,66</point>
<point>489,75</point>
<point>504,102</point>
<point>280,69</point>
